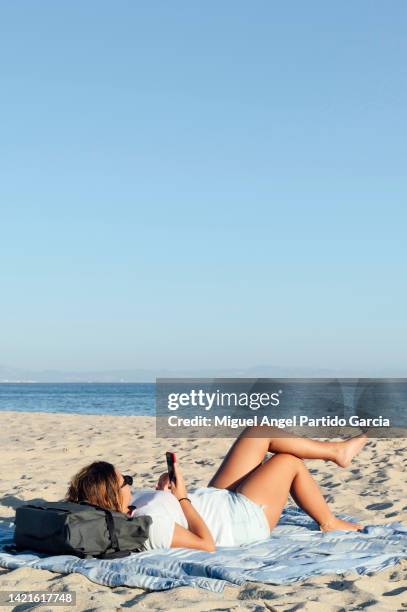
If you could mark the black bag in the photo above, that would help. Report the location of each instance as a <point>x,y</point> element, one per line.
<point>81,529</point>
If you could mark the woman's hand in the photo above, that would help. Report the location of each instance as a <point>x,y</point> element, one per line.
<point>163,483</point>
<point>178,487</point>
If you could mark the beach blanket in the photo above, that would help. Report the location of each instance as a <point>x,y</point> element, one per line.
<point>295,550</point>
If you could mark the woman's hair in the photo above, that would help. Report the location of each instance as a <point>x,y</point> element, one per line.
<point>97,484</point>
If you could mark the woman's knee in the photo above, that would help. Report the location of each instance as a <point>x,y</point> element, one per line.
<point>289,459</point>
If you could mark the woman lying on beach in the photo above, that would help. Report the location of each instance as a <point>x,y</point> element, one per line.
<point>243,500</point>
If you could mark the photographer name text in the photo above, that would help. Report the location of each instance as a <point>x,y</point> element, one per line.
<point>265,421</point>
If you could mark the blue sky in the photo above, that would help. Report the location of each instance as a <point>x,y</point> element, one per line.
<point>203,184</point>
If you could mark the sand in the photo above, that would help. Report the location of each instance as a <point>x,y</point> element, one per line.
<point>39,452</point>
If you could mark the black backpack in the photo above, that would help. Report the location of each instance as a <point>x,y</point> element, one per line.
<point>81,529</point>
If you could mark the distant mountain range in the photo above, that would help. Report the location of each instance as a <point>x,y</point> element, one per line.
<point>18,375</point>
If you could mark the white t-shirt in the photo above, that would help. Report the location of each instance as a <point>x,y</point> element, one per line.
<point>212,504</point>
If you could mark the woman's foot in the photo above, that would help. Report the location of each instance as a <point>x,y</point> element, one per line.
<point>336,524</point>
<point>348,449</point>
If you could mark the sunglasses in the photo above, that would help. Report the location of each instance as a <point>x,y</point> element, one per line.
<point>127,480</point>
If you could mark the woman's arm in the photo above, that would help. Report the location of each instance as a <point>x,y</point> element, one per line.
<point>197,535</point>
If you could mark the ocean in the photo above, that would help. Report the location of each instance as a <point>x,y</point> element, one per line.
<point>79,398</point>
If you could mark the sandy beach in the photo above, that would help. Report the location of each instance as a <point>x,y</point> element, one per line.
<point>39,453</point>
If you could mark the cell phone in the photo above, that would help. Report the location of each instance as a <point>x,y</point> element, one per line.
<point>171,459</point>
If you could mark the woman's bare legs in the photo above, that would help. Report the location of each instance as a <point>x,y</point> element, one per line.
<point>270,484</point>
<point>248,451</point>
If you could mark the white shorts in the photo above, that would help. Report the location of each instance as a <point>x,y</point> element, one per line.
<point>249,523</point>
